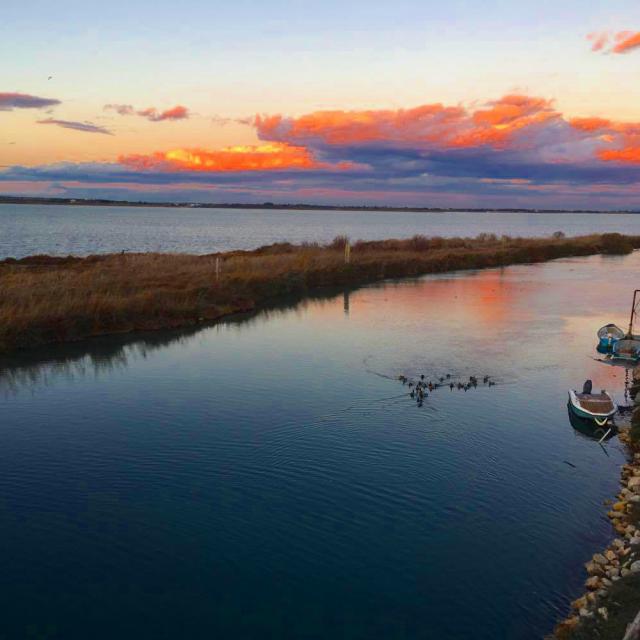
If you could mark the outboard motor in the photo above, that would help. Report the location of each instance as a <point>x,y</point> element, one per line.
<point>587,387</point>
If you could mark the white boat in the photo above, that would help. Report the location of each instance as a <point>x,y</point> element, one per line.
<point>599,407</point>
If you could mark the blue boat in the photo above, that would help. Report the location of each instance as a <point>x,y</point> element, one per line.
<point>608,336</point>
<point>628,348</point>
<point>621,346</point>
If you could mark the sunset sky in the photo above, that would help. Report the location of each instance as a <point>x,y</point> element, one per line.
<point>416,103</point>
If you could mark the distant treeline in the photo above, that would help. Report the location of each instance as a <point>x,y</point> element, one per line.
<point>298,206</point>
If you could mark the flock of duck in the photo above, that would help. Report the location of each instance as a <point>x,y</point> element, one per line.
<point>420,389</point>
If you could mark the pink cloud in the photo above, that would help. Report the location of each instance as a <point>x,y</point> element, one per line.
<point>152,114</point>
<point>599,40</point>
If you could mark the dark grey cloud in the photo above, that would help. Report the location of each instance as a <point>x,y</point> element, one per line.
<point>86,127</point>
<point>10,101</point>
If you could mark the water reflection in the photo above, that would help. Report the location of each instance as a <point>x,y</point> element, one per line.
<point>589,429</point>
<point>270,476</point>
<point>103,355</point>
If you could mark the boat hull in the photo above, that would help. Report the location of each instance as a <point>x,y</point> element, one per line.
<point>627,349</point>
<point>599,417</point>
<point>589,429</point>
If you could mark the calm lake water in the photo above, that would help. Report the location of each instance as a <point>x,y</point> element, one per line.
<point>61,230</point>
<point>270,478</point>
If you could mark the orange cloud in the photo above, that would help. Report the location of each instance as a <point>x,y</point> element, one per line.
<point>240,158</point>
<point>590,124</point>
<point>346,127</point>
<point>511,108</point>
<point>626,41</point>
<point>431,125</point>
<point>625,134</point>
<point>629,155</point>
<point>622,41</point>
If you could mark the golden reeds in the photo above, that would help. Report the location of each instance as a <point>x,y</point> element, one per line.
<point>45,300</point>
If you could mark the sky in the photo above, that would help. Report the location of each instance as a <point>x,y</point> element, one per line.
<point>406,103</point>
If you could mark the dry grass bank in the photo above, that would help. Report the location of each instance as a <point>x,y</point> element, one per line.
<point>45,300</point>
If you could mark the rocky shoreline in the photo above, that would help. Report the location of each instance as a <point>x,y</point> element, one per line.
<point>611,602</point>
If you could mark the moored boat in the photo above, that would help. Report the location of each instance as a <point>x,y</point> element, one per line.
<point>627,349</point>
<point>608,336</point>
<point>622,346</point>
<point>599,407</point>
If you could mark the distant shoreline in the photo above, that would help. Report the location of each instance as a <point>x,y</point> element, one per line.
<point>286,206</point>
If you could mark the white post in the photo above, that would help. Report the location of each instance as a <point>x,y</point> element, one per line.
<point>604,436</point>
<point>347,252</point>
<point>217,268</point>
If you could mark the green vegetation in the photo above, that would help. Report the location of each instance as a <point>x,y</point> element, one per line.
<point>46,299</point>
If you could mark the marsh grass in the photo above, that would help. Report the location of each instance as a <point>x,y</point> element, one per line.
<point>45,299</point>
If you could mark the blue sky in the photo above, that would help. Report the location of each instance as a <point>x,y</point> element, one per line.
<point>227,62</point>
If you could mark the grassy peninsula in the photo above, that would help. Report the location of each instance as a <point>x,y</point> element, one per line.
<point>49,299</point>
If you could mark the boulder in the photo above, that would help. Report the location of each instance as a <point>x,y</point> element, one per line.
<point>635,567</point>
<point>580,603</point>
<point>592,583</point>
<point>634,484</point>
<point>566,627</point>
<point>624,572</point>
<point>594,569</point>
<point>598,558</point>
<point>609,555</point>
<point>603,612</point>
<point>619,506</point>
<point>634,540</point>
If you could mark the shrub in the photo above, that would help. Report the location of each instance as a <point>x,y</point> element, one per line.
<point>615,244</point>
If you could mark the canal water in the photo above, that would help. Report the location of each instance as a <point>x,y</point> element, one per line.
<point>269,477</point>
<point>80,230</point>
